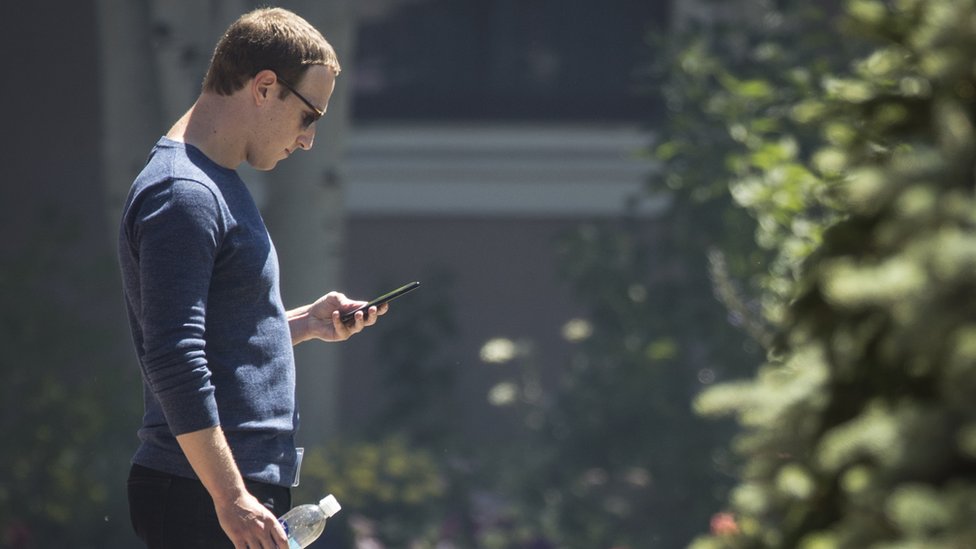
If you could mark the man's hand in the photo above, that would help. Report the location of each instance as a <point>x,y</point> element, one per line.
<point>250,525</point>
<point>245,521</point>
<point>320,320</point>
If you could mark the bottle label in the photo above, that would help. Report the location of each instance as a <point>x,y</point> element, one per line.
<point>292,544</point>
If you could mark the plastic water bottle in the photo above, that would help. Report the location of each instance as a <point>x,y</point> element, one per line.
<point>304,524</point>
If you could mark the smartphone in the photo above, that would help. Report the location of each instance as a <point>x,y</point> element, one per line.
<point>385,298</point>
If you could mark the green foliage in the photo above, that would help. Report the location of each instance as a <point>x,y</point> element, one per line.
<point>627,461</point>
<point>624,461</point>
<point>613,456</point>
<point>858,432</point>
<point>391,489</point>
<point>394,489</point>
<point>619,458</point>
<point>416,375</point>
<point>59,394</point>
<point>737,96</point>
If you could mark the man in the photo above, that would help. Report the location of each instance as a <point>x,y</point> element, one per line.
<point>200,277</point>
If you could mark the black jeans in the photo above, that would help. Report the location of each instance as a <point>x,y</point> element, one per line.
<point>170,512</point>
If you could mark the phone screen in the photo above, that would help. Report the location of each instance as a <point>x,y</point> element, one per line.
<point>385,298</point>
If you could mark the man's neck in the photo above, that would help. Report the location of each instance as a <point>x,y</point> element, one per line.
<point>212,126</point>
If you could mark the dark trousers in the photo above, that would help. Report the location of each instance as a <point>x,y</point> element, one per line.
<point>171,512</point>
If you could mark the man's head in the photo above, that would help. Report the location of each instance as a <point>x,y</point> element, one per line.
<point>280,72</point>
<point>270,38</point>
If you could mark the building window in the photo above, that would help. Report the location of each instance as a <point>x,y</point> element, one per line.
<point>518,60</point>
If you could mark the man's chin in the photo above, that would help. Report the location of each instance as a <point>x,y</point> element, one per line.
<point>264,166</point>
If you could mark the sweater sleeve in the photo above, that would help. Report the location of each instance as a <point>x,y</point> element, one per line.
<point>176,232</point>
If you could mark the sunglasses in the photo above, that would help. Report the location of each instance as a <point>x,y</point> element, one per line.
<point>309,118</point>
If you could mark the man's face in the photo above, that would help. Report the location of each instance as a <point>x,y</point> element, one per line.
<point>289,123</point>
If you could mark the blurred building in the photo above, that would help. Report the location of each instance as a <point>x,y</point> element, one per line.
<point>481,131</point>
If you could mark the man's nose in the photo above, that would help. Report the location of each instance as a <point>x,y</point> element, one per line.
<point>306,139</point>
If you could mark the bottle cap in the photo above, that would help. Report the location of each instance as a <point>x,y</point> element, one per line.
<point>329,505</point>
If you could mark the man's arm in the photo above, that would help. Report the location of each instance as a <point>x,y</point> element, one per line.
<point>245,521</point>
<point>175,229</point>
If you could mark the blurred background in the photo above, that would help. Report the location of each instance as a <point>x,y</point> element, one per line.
<point>608,203</point>
<point>492,150</point>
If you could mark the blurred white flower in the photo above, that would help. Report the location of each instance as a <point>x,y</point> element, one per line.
<point>637,293</point>
<point>498,351</point>
<point>577,330</point>
<point>503,394</point>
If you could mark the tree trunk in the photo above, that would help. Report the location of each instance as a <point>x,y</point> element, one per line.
<point>304,212</point>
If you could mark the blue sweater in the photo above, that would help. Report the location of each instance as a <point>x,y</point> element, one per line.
<point>200,279</point>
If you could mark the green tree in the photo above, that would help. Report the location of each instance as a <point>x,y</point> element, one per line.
<point>619,459</point>
<point>859,430</point>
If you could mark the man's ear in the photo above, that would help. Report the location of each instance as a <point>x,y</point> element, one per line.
<point>261,85</point>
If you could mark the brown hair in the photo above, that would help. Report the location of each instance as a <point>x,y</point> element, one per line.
<point>267,38</point>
